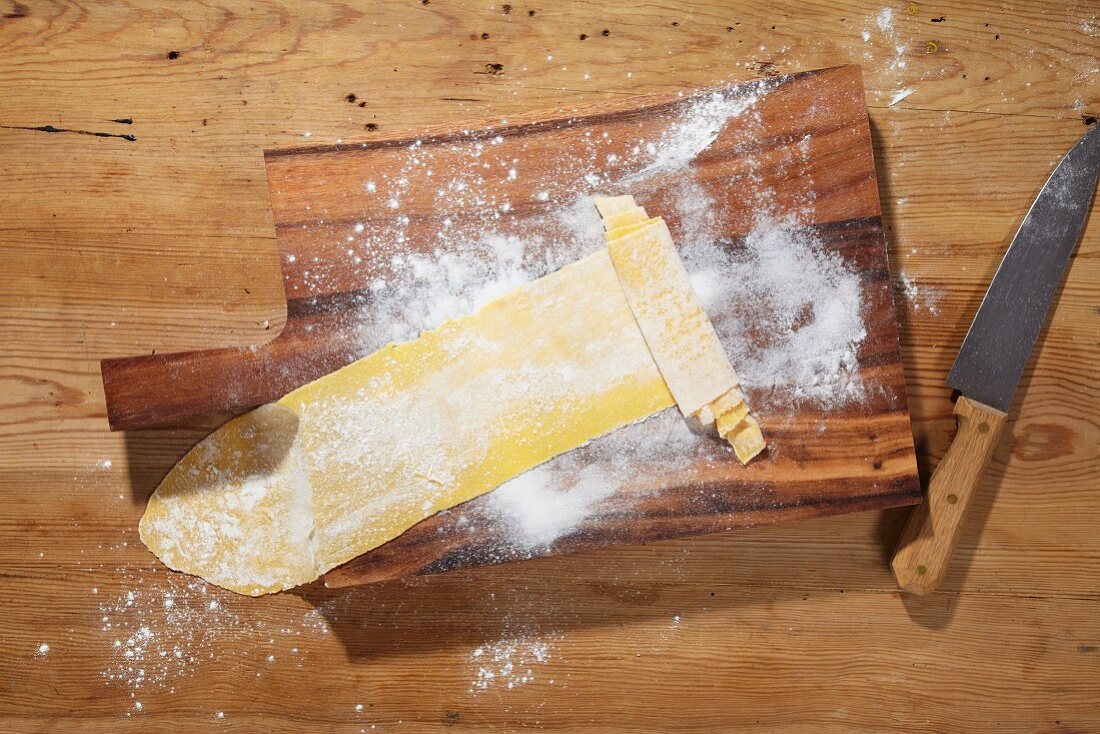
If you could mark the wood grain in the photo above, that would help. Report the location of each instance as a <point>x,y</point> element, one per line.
<point>112,248</point>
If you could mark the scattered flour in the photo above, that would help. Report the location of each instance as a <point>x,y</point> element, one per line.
<point>885,20</point>
<point>881,27</point>
<point>789,312</point>
<point>482,256</point>
<point>804,302</point>
<point>786,308</point>
<point>919,299</point>
<point>531,512</point>
<point>508,663</point>
<point>166,626</point>
<point>158,633</point>
<point>779,283</point>
<point>539,510</point>
<point>426,290</point>
<point>698,127</point>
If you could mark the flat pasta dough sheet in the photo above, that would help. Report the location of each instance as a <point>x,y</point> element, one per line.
<point>280,495</point>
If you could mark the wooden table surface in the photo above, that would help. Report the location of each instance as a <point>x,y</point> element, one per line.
<point>163,240</point>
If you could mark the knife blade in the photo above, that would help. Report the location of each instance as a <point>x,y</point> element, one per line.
<point>996,348</point>
<point>992,359</point>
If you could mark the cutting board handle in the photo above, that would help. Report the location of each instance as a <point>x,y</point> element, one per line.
<point>169,389</point>
<point>928,541</point>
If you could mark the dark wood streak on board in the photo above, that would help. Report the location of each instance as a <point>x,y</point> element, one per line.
<point>52,129</point>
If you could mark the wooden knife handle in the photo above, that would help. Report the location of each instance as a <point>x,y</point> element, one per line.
<point>928,541</point>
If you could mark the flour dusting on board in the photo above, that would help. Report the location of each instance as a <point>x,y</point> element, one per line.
<point>561,500</point>
<point>554,500</point>
<point>697,128</point>
<point>788,311</point>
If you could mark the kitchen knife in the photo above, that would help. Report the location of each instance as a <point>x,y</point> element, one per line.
<point>992,358</point>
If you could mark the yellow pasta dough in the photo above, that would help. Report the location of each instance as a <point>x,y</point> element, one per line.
<point>407,431</point>
<point>677,330</point>
<point>609,205</point>
<point>679,333</point>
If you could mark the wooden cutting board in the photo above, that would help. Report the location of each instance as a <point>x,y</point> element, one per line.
<point>807,140</point>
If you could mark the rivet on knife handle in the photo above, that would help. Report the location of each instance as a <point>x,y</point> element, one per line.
<point>928,541</point>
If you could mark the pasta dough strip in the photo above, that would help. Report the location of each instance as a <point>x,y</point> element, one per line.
<point>677,330</point>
